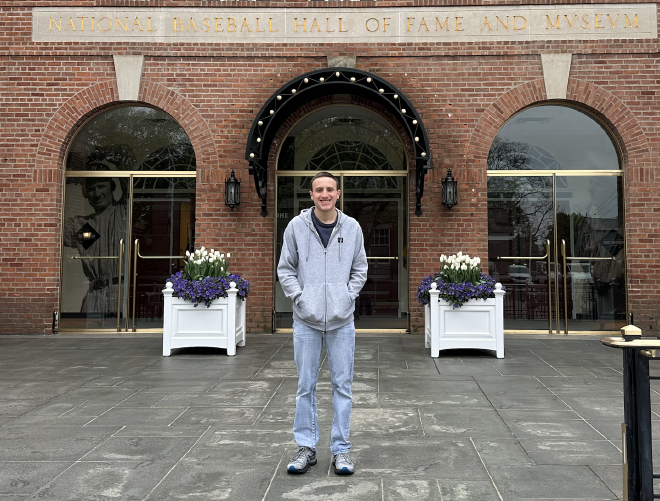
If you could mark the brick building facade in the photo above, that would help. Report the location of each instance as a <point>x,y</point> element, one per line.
<point>465,91</point>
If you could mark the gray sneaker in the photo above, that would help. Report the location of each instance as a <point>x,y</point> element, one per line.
<point>343,464</point>
<point>301,460</point>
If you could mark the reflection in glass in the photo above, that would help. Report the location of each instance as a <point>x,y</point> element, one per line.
<point>131,138</point>
<point>520,221</point>
<point>342,138</point>
<point>552,138</point>
<point>590,221</point>
<point>163,223</point>
<point>95,220</point>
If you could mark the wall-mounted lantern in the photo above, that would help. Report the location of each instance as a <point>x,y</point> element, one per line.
<point>232,191</point>
<point>449,191</point>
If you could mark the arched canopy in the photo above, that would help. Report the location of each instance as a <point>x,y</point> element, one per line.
<point>321,83</point>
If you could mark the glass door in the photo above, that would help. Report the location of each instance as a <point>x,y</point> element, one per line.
<point>556,243</point>
<point>123,237</point>
<point>94,260</point>
<point>162,229</point>
<point>379,205</point>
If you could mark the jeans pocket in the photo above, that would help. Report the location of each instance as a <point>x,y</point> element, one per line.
<point>340,306</point>
<point>310,304</point>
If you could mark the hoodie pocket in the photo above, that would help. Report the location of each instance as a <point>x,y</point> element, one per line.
<point>310,304</point>
<point>340,306</point>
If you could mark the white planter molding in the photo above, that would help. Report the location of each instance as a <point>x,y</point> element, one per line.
<point>479,323</point>
<point>222,325</point>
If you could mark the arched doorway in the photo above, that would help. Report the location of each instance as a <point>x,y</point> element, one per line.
<point>556,222</point>
<point>370,160</point>
<point>128,218</point>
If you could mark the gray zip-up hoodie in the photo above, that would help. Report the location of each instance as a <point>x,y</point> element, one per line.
<point>323,283</point>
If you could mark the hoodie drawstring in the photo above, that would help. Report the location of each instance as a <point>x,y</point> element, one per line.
<point>308,233</point>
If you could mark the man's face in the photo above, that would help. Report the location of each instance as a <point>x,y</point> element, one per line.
<point>99,195</point>
<point>324,193</point>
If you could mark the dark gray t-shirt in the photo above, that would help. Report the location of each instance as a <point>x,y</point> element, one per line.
<point>324,230</point>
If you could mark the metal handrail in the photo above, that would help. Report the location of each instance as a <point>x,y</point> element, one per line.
<point>96,257</point>
<point>563,255</point>
<point>137,254</point>
<point>121,262</point>
<point>393,257</point>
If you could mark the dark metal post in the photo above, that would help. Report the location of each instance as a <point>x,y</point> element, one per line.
<point>630,422</point>
<point>643,398</point>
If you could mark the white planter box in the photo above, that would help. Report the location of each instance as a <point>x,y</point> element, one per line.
<point>479,323</point>
<point>222,325</point>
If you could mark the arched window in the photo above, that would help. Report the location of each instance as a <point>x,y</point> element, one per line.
<point>129,213</point>
<point>556,222</point>
<point>553,138</point>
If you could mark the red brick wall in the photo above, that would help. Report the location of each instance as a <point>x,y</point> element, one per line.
<point>464,92</point>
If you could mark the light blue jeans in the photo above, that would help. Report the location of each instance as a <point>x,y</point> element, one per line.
<point>340,346</point>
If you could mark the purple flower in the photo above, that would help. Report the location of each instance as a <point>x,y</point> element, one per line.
<point>207,289</point>
<point>456,293</point>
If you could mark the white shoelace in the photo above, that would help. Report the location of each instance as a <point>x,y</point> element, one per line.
<point>343,456</point>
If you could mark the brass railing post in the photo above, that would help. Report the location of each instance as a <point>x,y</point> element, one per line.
<point>135,275</point>
<point>121,263</point>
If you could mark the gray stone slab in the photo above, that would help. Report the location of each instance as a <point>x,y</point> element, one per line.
<point>549,482</point>
<point>399,421</point>
<point>123,416</point>
<point>501,452</point>
<point>198,478</point>
<point>571,451</point>
<point>467,400</point>
<point>508,368</point>
<point>138,449</point>
<point>209,416</point>
<point>219,438</point>
<point>467,490</point>
<point>535,426</point>
<point>424,387</point>
<point>247,387</point>
<point>411,489</point>
<point>354,488</point>
<point>584,385</point>
<point>214,399</point>
<point>528,402</point>
<point>127,481</point>
<point>54,443</point>
<point>612,476</point>
<point>24,478</point>
<point>464,370</point>
<point>147,430</point>
<point>500,386</point>
<point>419,459</point>
<point>360,399</point>
<point>593,407</point>
<point>13,408</point>
<point>440,421</point>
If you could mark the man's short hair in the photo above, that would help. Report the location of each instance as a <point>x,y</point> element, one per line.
<point>324,174</point>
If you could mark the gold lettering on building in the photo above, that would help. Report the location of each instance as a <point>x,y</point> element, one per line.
<point>486,23</point>
<point>346,31</point>
<point>119,23</point>
<point>423,22</point>
<point>105,19</point>
<point>515,23</point>
<point>207,26</point>
<point>499,21</point>
<point>598,21</point>
<point>148,25</point>
<point>627,22</point>
<point>570,23</point>
<point>70,23</point>
<point>53,22</point>
<point>177,24</point>
<point>327,26</point>
<point>191,23</point>
<point>613,23</point>
<point>258,30</point>
<point>217,19</point>
<point>374,23</point>
<point>231,25</point>
<point>549,24</point>
<point>585,21</point>
<point>245,25</point>
<point>295,25</point>
<point>270,26</point>
<point>315,23</point>
<point>439,25</point>
<point>410,19</point>
<point>82,23</point>
<point>137,21</point>
<point>459,24</point>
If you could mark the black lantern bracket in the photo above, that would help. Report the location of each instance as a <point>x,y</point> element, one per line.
<point>322,83</point>
<point>232,191</point>
<point>449,191</point>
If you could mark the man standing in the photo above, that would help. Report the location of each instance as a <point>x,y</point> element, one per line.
<point>322,269</point>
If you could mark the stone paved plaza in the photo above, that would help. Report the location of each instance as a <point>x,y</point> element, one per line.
<point>96,418</point>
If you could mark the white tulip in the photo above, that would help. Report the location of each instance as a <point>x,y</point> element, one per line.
<point>463,267</point>
<point>222,256</point>
<point>477,260</point>
<point>187,253</point>
<point>211,259</point>
<point>446,266</point>
<point>443,258</point>
<point>199,261</point>
<point>228,255</point>
<point>202,249</point>
<point>458,255</point>
<point>205,253</point>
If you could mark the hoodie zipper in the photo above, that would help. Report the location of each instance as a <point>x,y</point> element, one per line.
<point>325,268</point>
